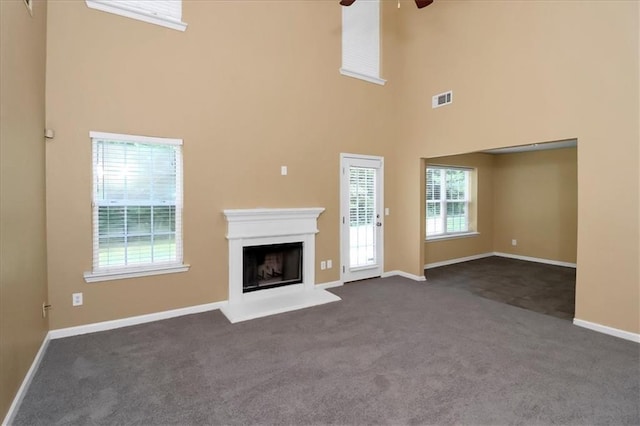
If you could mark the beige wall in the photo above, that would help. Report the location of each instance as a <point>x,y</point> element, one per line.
<point>525,72</point>
<point>536,203</point>
<point>481,206</point>
<point>250,86</point>
<point>23,267</point>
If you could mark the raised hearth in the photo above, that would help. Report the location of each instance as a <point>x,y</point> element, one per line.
<point>249,229</point>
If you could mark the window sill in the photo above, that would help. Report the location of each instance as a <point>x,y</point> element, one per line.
<point>451,236</point>
<point>369,78</point>
<point>120,274</point>
<point>134,13</point>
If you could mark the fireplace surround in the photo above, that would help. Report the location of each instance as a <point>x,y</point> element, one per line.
<point>251,228</point>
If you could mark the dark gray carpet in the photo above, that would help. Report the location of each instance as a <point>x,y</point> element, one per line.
<point>539,287</point>
<point>393,351</point>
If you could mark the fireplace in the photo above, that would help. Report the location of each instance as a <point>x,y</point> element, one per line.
<point>272,262</point>
<point>270,266</point>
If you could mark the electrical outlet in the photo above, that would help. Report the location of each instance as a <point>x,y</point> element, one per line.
<point>323,265</point>
<point>329,264</point>
<point>76,299</point>
<point>514,242</point>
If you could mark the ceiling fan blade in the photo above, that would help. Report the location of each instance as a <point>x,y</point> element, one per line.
<point>347,2</point>
<point>422,3</point>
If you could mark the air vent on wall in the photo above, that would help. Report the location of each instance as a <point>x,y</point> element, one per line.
<point>442,99</point>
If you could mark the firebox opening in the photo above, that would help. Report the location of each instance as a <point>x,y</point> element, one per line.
<point>271,266</point>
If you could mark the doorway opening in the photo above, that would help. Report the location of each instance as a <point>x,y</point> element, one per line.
<point>515,235</point>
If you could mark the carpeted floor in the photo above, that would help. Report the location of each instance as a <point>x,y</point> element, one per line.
<point>393,351</point>
<point>539,287</point>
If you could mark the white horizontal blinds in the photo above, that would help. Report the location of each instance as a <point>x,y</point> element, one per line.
<point>137,201</point>
<point>435,222</point>
<point>447,200</point>
<point>164,9</point>
<point>361,38</point>
<point>456,196</point>
<point>362,216</point>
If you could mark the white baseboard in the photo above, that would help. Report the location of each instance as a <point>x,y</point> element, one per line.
<point>140,319</point>
<point>499,254</point>
<point>403,274</point>
<point>457,260</point>
<point>535,259</point>
<point>627,335</point>
<point>22,390</point>
<point>329,284</point>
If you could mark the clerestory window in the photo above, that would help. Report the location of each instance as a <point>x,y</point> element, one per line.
<point>361,41</point>
<point>167,13</point>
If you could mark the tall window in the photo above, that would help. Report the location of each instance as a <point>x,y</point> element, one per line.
<point>361,41</point>
<point>448,197</point>
<point>137,202</point>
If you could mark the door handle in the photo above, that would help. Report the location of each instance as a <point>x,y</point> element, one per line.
<point>378,223</point>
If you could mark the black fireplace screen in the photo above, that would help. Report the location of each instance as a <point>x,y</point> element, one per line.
<point>271,266</point>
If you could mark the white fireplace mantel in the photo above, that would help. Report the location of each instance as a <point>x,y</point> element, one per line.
<point>256,223</point>
<point>255,227</point>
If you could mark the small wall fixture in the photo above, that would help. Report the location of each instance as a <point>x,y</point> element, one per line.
<point>49,133</point>
<point>442,99</point>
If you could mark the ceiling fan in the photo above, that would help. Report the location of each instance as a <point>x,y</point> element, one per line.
<point>419,3</point>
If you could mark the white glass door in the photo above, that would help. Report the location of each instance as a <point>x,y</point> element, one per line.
<point>361,217</point>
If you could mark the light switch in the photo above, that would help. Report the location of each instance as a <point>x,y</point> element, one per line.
<point>283,170</point>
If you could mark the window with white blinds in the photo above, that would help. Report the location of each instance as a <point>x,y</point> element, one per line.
<point>167,13</point>
<point>447,200</point>
<point>137,202</point>
<point>361,41</point>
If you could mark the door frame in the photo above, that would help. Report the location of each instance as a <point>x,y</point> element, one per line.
<point>344,213</point>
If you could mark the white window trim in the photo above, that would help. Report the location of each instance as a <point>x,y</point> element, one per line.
<point>452,236</point>
<point>138,14</point>
<point>119,274</point>
<point>364,77</point>
<point>132,138</point>
<point>109,274</point>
